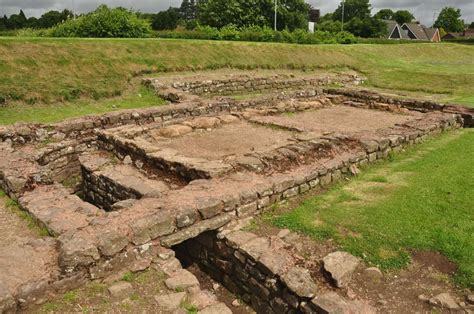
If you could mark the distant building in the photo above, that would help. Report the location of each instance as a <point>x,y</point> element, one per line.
<point>467,33</point>
<point>411,31</point>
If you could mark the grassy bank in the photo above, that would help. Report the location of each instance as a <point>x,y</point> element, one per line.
<point>137,97</point>
<point>42,70</point>
<point>420,200</point>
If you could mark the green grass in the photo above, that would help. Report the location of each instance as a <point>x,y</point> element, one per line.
<point>421,200</point>
<point>45,113</point>
<point>39,70</point>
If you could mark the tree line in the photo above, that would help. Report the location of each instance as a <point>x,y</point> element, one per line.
<point>47,20</point>
<point>291,15</point>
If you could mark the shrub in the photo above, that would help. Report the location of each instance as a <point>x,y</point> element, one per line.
<point>230,32</point>
<point>31,32</point>
<point>104,22</point>
<point>209,32</point>
<point>261,34</point>
<point>346,38</point>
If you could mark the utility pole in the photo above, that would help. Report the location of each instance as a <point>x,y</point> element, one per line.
<point>342,24</point>
<point>276,7</point>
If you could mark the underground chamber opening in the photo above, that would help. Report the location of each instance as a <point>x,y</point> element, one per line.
<point>198,257</point>
<point>225,261</point>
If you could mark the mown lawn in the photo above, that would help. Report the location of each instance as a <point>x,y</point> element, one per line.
<point>420,200</point>
<point>39,70</point>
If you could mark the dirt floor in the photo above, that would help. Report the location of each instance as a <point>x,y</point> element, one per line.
<point>228,140</point>
<point>341,119</point>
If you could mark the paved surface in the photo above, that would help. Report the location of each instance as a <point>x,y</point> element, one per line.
<point>26,260</point>
<point>14,229</point>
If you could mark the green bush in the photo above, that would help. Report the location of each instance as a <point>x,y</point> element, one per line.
<point>261,34</point>
<point>31,32</point>
<point>104,23</point>
<point>208,32</point>
<point>230,32</point>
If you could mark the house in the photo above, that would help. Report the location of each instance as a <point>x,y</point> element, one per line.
<point>413,31</point>
<point>466,34</point>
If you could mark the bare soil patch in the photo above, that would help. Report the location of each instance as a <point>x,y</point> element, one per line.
<point>341,119</point>
<point>229,140</point>
<point>435,260</point>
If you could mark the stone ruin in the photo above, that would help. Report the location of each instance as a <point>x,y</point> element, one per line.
<point>118,191</point>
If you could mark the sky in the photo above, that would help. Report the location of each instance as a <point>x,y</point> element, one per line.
<point>424,10</point>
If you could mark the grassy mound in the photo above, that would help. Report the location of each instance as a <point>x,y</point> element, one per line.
<point>57,70</point>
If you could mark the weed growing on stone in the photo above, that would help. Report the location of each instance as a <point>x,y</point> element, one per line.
<point>13,206</point>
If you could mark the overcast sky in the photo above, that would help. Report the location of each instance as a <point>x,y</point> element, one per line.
<point>424,10</point>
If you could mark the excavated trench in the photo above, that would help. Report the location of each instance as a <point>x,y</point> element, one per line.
<point>201,256</point>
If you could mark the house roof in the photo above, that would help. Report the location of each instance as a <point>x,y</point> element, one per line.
<point>469,33</point>
<point>430,32</point>
<point>393,27</point>
<point>452,35</point>
<point>410,31</point>
<point>418,30</point>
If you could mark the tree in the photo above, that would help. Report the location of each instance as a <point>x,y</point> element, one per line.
<point>384,14</point>
<point>17,21</point>
<point>403,16</point>
<point>3,23</point>
<point>367,27</point>
<point>450,19</point>
<point>292,14</point>
<point>218,13</point>
<point>189,10</point>
<point>352,9</point>
<point>330,26</point>
<point>51,18</point>
<point>472,25</point>
<point>168,19</point>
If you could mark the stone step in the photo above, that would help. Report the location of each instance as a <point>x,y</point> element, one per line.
<point>108,181</point>
<point>58,209</point>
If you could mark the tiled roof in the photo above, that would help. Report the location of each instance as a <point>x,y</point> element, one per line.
<point>418,30</point>
<point>430,32</point>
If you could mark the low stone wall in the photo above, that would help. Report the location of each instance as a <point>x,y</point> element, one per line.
<point>126,142</point>
<point>102,191</point>
<point>373,100</point>
<point>259,270</point>
<point>84,127</point>
<point>244,83</point>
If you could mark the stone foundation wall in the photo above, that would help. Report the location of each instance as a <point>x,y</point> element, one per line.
<point>372,100</point>
<point>249,84</point>
<point>102,191</point>
<point>259,270</point>
<point>86,127</point>
<point>177,222</point>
